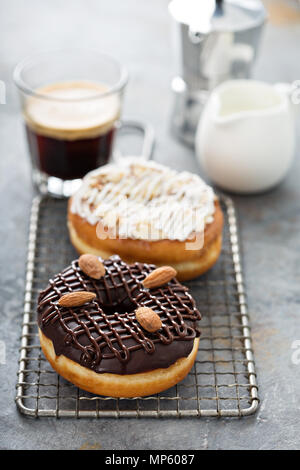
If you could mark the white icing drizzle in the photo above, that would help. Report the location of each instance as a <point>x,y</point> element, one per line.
<point>145,200</point>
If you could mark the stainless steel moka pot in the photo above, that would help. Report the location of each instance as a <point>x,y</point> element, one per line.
<point>215,40</point>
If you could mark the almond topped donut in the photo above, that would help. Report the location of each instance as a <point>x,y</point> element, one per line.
<point>126,331</point>
<point>147,212</point>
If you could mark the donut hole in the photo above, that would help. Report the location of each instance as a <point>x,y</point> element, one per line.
<point>125,306</point>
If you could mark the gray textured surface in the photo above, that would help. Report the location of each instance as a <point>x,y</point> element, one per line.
<point>138,34</point>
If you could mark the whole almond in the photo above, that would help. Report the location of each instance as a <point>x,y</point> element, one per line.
<point>148,319</point>
<point>76,299</point>
<point>92,266</point>
<point>159,277</point>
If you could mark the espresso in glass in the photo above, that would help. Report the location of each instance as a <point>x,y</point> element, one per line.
<point>71,105</point>
<point>70,131</point>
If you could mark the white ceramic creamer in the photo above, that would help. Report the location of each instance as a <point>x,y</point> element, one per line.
<point>245,140</point>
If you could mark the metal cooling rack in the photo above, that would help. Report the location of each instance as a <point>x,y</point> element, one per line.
<point>223,379</point>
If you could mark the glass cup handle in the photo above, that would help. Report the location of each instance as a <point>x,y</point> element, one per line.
<point>130,126</point>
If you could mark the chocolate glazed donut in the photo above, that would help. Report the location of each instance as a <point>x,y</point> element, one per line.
<point>104,336</point>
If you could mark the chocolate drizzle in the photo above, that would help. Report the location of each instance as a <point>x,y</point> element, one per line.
<point>104,334</point>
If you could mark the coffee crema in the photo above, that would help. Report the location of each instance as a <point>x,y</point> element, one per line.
<point>70,127</point>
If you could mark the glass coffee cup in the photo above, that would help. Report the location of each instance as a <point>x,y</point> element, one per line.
<point>71,105</point>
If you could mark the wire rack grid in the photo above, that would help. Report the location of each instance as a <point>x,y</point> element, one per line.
<point>222,382</point>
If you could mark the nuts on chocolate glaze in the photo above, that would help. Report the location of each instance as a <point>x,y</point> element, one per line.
<point>159,277</point>
<point>148,319</point>
<point>76,299</point>
<point>92,266</point>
